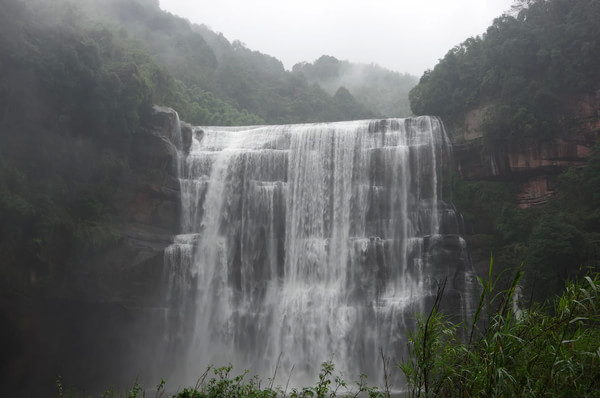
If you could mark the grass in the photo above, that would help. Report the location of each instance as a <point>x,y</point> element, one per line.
<point>221,383</point>
<point>541,351</point>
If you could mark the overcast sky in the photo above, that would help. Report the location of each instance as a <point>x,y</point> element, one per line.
<point>406,36</point>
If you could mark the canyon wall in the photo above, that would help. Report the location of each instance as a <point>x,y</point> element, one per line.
<point>533,162</point>
<point>100,323</point>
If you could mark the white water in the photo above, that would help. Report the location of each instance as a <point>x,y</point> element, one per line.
<point>305,243</point>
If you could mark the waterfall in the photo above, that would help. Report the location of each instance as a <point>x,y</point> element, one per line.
<point>306,243</point>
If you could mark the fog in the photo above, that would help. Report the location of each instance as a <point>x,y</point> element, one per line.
<point>382,90</point>
<point>399,35</point>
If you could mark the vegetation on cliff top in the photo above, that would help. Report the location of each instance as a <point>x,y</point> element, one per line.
<point>527,67</point>
<point>218,82</point>
<point>71,98</point>
<point>524,74</point>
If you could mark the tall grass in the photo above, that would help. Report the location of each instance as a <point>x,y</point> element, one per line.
<point>220,382</point>
<point>550,352</point>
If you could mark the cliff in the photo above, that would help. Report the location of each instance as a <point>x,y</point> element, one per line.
<point>147,201</point>
<point>533,162</point>
<point>105,308</point>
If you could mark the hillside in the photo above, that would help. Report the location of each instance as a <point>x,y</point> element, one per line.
<point>526,69</point>
<point>521,103</point>
<point>217,81</point>
<point>379,89</point>
<point>87,198</point>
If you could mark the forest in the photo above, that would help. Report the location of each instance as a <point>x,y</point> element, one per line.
<point>527,66</point>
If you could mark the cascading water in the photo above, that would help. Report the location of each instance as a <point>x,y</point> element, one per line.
<point>305,243</point>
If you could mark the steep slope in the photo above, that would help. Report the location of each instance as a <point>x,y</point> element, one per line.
<point>88,201</point>
<point>212,70</point>
<point>521,104</point>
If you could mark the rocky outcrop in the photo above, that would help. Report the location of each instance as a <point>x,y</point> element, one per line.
<point>534,163</point>
<point>110,312</point>
<point>148,205</point>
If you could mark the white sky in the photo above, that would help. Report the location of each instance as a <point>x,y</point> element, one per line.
<point>406,36</point>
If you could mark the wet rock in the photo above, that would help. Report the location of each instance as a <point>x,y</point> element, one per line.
<point>533,162</point>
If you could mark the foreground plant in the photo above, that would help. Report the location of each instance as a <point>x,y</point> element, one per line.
<point>329,384</point>
<point>220,383</point>
<point>509,353</point>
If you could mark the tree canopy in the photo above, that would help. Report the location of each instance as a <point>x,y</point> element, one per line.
<point>215,81</point>
<point>381,90</point>
<point>527,66</point>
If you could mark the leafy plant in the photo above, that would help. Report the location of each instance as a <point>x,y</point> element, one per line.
<point>219,382</point>
<point>511,351</point>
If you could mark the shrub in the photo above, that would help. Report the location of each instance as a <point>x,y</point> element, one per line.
<point>511,352</point>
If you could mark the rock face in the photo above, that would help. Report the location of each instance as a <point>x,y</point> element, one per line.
<point>534,163</point>
<point>130,276</point>
<point>148,202</point>
<point>103,323</point>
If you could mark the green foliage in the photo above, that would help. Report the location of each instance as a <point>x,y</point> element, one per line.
<point>564,236</point>
<point>511,353</point>
<point>221,383</point>
<point>428,351</point>
<point>559,240</point>
<point>478,201</point>
<point>135,391</point>
<point>554,242</point>
<point>211,80</point>
<point>523,66</point>
<point>200,107</point>
<point>509,225</point>
<point>72,98</point>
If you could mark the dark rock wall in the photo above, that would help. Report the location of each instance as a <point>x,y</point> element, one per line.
<point>148,203</point>
<point>526,167</point>
<point>532,162</point>
<point>104,322</point>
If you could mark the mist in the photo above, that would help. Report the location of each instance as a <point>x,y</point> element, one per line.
<point>404,36</point>
<point>382,90</point>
